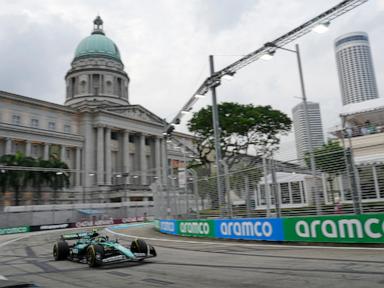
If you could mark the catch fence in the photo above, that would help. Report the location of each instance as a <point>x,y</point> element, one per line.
<point>264,187</point>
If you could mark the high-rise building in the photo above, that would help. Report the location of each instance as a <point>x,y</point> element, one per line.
<point>355,68</point>
<point>301,133</point>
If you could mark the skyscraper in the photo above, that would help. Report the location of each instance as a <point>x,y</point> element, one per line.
<point>301,133</point>
<point>355,68</point>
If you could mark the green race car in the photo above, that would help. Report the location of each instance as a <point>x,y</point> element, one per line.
<point>97,250</point>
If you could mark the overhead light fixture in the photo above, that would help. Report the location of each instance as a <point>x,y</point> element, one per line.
<point>199,96</point>
<point>135,176</point>
<point>267,55</point>
<point>321,27</point>
<point>228,76</point>
<point>59,173</point>
<point>91,174</point>
<point>118,176</point>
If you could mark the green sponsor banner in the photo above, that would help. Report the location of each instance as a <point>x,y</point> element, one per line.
<point>196,228</point>
<point>157,224</point>
<point>366,228</point>
<point>13,230</point>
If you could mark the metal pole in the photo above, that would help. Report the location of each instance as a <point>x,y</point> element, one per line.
<point>186,181</point>
<point>216,132</point>
<point>166,174</point>
<point>195,191</point>
<point>309,134</point>
<point>227,189</point>
<point>248,197</point>
<point>275,190</point>
<point>356,195</point>
<point>267,192</point>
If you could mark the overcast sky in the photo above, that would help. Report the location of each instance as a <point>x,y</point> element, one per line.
<point>165,45</point>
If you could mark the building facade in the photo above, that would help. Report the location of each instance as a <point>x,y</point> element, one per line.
<point>107,142</point>
<point>355,68</point>
<point>301,133</point>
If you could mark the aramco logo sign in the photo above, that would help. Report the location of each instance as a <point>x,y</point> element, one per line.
<point>168,226</point>
<point>198,228</point>
<point>354,229</point>
<point>250,229</point>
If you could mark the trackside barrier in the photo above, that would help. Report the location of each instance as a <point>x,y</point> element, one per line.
<point>14,230</point>
<point>366,228</point>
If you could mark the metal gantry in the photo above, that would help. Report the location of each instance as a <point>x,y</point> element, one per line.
<point>215,79</point>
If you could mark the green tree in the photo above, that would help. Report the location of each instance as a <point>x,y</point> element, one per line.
<point>57,179</point>
<point>15,179</point>
<point>24,172</point>
<point>242,127</point>
<point>330,159</point>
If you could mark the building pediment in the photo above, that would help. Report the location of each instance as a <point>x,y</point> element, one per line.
<point>136,112</point>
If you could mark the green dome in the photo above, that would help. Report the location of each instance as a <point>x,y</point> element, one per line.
<point>97,44</point>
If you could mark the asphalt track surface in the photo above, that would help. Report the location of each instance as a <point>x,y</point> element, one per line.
<point>186,262</point>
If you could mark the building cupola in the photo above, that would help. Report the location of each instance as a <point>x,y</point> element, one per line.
<point>97,73</point>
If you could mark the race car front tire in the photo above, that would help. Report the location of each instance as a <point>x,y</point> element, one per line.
<point>95,255</point>
<point>152,251</point>
<point>60,250</point>
<point>139,246</point>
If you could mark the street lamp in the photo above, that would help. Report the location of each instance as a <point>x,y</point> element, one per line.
<point>273,48</point>
<point>321,27</point>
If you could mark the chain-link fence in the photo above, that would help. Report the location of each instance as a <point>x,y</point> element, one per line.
<point>38,196</point>
<point>343,182</point>
<point>264,187</point>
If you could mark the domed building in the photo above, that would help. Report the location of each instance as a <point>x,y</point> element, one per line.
<point>97,72</point>
<point>112,146</point>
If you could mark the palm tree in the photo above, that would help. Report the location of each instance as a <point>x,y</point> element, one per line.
<point>18,179</point>
<point>57,179</point>
<point>15,179</point>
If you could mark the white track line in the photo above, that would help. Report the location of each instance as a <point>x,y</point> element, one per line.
<point>13,240</point>
<point>36,233</point>
<point>245,244</point>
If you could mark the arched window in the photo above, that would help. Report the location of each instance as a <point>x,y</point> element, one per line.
<point>83,86</point>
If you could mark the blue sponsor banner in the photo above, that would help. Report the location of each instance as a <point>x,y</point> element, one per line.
<point>168,226</point>
<point>250,229</point>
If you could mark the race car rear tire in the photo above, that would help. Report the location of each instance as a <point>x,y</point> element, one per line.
<point>139,246</point>
<point>95,255</point>
<point>60,250</point>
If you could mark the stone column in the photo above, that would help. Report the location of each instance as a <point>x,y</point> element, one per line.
<point>28,148</point>
<point>46,151</point>
<point>143,166</point>
<point>8,145</point>
<point>100,155</point>
<point>62,153</point>
<point>88,152</point>
<point>157,158</point>
<point>125,151</point>
<point>78,166</point>
<point>108,156</point>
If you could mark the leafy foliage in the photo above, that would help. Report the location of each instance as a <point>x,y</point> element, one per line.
<point>18,179</point>
<point>329,158</point>
<point>242,126</point>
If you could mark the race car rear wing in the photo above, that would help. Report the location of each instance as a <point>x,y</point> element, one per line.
<point>75,236</point>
